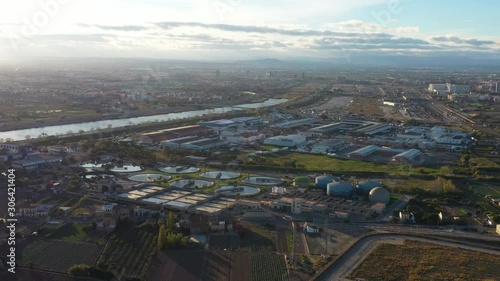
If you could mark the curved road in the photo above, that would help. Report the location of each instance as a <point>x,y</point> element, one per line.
<point>356,254</point>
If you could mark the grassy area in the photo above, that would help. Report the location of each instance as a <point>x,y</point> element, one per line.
<point>426,262</point>
<point>289,240</point>
<point>407,184</point>
<point>311,162</point>
<point>258,238</point>
<point>69,232</point>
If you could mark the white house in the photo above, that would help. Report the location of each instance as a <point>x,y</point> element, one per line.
<point>311,229</point>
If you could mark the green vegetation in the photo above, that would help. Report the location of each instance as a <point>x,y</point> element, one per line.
<point>130,251</point>
<point>268,267</point>
<point>484,189</point>
<point>311,162</point>
<point>289,240</point>
<point>427,262</point>
<point>85,270</point>
<point>57,255</point>
<point>169,236</point>
<point>71,232</point>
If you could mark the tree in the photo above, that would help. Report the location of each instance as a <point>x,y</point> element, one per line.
<point>162,238</point>
<point>170,223</point>
<point>79,270</point>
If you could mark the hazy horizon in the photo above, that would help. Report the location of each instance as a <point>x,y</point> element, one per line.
<point>232,30</point>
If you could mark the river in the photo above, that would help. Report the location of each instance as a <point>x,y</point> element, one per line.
<point>116,123</point>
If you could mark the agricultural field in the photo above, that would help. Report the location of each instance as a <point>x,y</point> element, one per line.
<point>56,255</point>
<point>426,262</point>
<point>484,189</point>
<point>258,238</point>
<point>268,267</point>
<point>217,265</point>
<point>130,251</point>
<point>193,266</point>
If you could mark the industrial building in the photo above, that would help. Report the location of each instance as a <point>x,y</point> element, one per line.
<point>288,141</point>
<point>448,88</point>
<point>36,161</point>
<point>329,145</point>
<point>293,123</point>
<point>355,127</point>
<point>372,129</point>
<point>412,156</point>
<point>194,143</point>
<point>296,205</point>
<point>223,124</point>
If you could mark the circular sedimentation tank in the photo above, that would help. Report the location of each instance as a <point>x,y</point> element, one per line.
<point>180,169</point>
<point>191,183</point>
<point>150,177</point>
<point>243,190</point>
<point>223,175</point>
<point>379,195</point>
<point>261,180</point>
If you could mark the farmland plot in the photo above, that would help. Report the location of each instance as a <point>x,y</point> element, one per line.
<point>268,267</point>
<point>130,252</point>
<point>56,255</point>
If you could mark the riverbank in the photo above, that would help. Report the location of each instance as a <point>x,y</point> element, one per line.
<point>79,128</point>
<point>40,123</point>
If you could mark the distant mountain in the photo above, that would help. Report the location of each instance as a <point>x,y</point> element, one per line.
<point>355,60</point>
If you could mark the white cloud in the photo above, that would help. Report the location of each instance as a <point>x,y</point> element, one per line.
<point>368,27</point>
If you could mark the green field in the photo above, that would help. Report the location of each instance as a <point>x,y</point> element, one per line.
<point>311,162</point>
<point>130,251</point>
<point>390,262</point>
<point>268,267</point>
<point>68,232</point>
<point>289,240</point>
<point>484,189</point>
<point>57,255</point>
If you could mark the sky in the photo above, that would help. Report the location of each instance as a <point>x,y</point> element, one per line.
<point>248,29</point>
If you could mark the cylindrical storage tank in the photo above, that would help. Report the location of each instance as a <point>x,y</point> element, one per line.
<point>323,181</point>
<point>379,195</point>
<point>366,186</point>
<point>341,189</point>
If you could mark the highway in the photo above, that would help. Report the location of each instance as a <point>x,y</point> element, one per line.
<point>355,255</point>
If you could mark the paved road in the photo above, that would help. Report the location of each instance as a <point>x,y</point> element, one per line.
<point>355,255</point>
<point>299,239</point>
<point>398,205</point>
